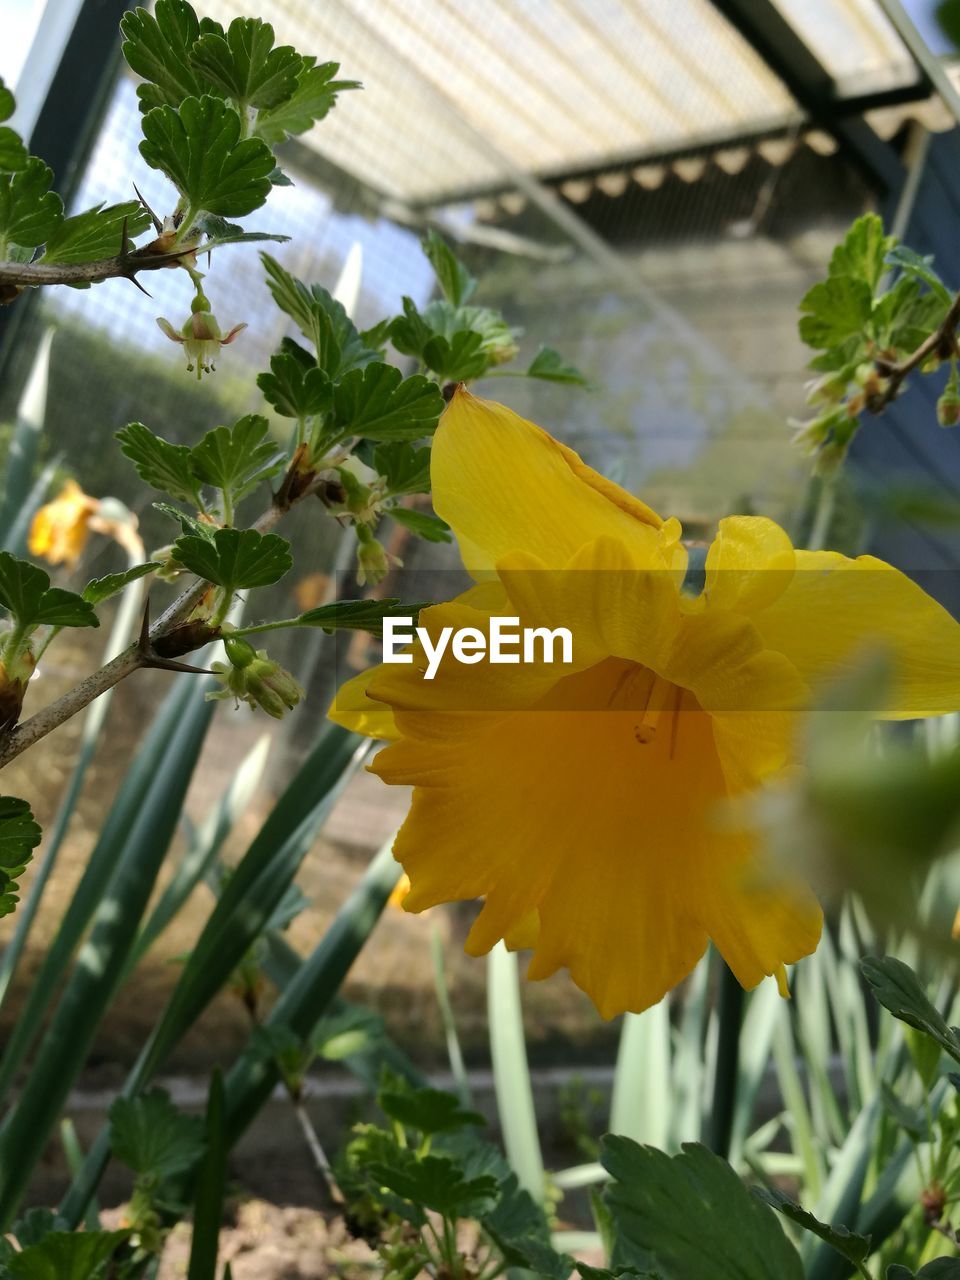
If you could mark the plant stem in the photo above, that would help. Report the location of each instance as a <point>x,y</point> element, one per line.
<point>730,1014</point>
<point>896,373</point>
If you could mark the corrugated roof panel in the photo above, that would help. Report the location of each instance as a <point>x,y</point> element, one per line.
<point>855,42</point>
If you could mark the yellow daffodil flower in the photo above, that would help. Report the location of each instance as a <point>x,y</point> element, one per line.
<point>588,802</point>
<point>60,529</point>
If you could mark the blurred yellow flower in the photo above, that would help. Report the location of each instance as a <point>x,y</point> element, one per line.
<point>400,891</point>
<point>60,529</point>
<point>584,802</point>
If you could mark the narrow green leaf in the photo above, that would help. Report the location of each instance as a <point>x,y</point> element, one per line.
<point>429,527</point>
<point>96,233</point>
<point>235,558</point>
<point>159,463</point>
<point>200,149</point>
<point>357,615</point>
<point>511,1072</point>
<point>314,96</point>
<point>208,1204</point>
<point>550,366</point>
<point>898,989</point>
<point>642,1084</point>
<point>29,210</point>
<point>919,267</point>
<point>101,589</point>
<point>236,459</point>
<point>245,65</point>
<point>856,1249</point>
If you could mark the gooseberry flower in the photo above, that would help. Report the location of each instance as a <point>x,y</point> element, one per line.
<point>253,677</point>
<point>201,336</point>
<point>60,529</point>
<point>589,803</point>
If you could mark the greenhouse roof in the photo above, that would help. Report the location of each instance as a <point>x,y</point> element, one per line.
<point>461,94</point>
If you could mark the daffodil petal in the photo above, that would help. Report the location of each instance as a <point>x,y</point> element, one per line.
<point>502,483</point>
<point>354,708</point>
<point>749,565</point>
<point>837,610</point>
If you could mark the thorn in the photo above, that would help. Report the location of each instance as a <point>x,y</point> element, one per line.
<point>168,664</point>
<point>143,642</point>
<point>134,281</point>
<point>157,224</point>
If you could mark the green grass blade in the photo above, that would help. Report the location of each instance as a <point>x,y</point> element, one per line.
<point>208,1201</point>
<point>756,1037</point>
<point>205,845</point>
<point>74,1157</point>
<point>791,1090</point>
<point>511,1073</point>
<point>641,1106</point>
<point>688,1060</point>
<point>93,723</point>
<point>454,1052</point>
<point>101,961</point>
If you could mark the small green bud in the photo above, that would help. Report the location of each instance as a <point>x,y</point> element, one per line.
<point>373,562</point>
<point>240,653</point>
<point>948,406</point>
<point>253,677</point>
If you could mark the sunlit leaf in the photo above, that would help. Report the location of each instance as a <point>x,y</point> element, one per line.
<point>96,233</point>
<point>246,65</point>
<point>315,94</point>
<point>378,403</point>
<point>162,465</point>
<point>236,459</point>
<point>29,210</point>
<point>112,584</point>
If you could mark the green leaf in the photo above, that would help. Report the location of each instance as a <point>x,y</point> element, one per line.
<point>187,523</point>
<point>378,403</point>
<point>429,527</point>
<point>245,65</point>
<point>436,1183</point>
<point>357,615</point>
<point>519,1228</point>
<point>912,1122</point>
<point>315,94</point>
<point>919,267</point>
<point>690,1216</point>
<point>429,1111</point>
<point>320,318</point>
<point>938,1269</point>
<point>26,594</point>
<point>834,311</point>
<point>458,359</point>
<point>151,1137</point>
<point>19,836</point>
<point>855,1248</point>
<point>13,154</point>
<point>7,102</point>
<point>235,558</point>
<point>101,589</point>
<point>898,989</point>
<point>456,282</point>
<point>295,386</point>
<point>404,466</point>
<point>200,149</point>
<point>29,210</point>
<point>551,367</point>
<point>96,233</point>
<point>236,459</point>
<point>159,463</point>
<point>208,1203</point>
<point>158,49</point>
<point>66,1255</point>
<point>863,251</point>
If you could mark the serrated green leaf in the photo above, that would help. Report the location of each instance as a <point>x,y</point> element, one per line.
<point>7,102</point>
<point>200,149</point>
<point>315,94</point>
<point>519,1228</point>
<point>429,1111</point>
<point>159,463</point>
<point>898,989</point>
<point>356,615</point>
<point>378,403</point>
<point>855,1248</point>
<point>429,527</point>
<point>13,154</point>
<point>456,282</point>
<point>158,49</point>
<point>404,466</point>
<point>26,594</point>
<point>112,584</point>
<point>96,233</point>
<point>187,523</point>
<point>295,386</point>
<point>863,251</point>
<point>246,66</point>
<point>66,1255</point>
<point>436,1183</point>
<point>834,311</point>
<point>551,367</point>
<point>320,318</point>
<point>458,359</point>
<point>35,1224</point>
<point>235,558</point>
<point>151,1137</point>
<point>236,459</point>
<point>29,210</point>
<point>655,1198</point>
<point>920,267</point>
<point>19,836</point>
<point>220,231</point>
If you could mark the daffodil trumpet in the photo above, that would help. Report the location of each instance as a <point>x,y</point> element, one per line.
<point>588,802</point>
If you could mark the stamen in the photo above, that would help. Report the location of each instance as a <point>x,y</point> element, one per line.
<point>658,699</point>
